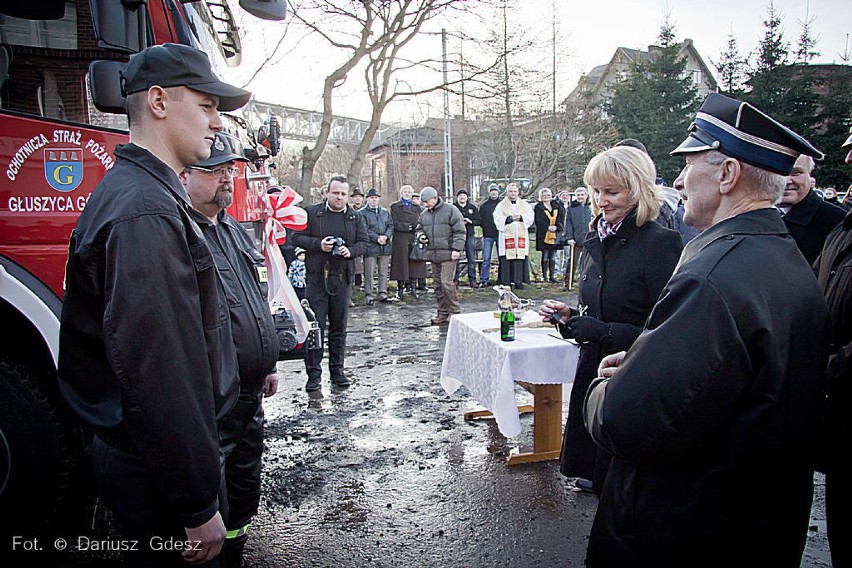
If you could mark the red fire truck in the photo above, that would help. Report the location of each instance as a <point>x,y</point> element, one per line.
<point>55,145</point>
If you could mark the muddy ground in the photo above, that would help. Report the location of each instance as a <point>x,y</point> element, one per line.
<point>388,473</point>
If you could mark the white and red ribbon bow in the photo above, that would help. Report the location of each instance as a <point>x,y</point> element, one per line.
<point>283,213</point>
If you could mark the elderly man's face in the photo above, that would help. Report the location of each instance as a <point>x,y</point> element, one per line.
<point>461,198</point>
<point>798,182</point>
<point>581,197</point>
<point>698,184</point>
<point>430,203</point>
<point>373,201</point>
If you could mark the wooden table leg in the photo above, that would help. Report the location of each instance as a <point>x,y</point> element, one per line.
<point>547,424</point>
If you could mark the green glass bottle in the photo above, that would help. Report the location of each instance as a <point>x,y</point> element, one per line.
<point>507,319</point>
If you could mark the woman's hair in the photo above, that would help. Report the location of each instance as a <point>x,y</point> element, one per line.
<point>631,169</point>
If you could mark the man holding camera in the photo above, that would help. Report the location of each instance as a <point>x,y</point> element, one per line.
<point>334,236</point>
<point>242,274</point>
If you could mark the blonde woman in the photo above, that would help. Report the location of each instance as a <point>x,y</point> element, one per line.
<point>627,260</point>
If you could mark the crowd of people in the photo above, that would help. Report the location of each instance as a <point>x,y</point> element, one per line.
<point>712,379</point>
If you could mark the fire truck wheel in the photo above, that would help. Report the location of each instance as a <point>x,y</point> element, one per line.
<point>35,453</point>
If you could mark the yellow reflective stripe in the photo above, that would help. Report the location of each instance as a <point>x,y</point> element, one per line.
<point>237,532</point>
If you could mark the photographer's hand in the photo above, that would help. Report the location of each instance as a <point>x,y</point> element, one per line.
<point>344,251</point>
<point>327,244</point>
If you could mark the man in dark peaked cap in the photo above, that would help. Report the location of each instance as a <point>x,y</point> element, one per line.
<point>835,279</point>
<point>711,415</point>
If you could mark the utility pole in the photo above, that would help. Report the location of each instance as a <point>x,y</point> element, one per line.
<point>448,141</point>
<point>553,77</point>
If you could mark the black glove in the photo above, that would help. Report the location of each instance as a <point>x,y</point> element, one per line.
<point>556,317</point>
<point>587,328</point>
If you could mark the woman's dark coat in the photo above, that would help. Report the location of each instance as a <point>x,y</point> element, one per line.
<point>620,280</point>
<point>404,219</point>
<point>541,223</point>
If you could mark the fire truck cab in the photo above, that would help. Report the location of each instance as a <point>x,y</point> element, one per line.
<point>55,145</point>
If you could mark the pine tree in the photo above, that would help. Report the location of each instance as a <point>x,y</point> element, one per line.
<point>656,101</point>
<point>807,41</point>
<point>772,55</point>
<point>732,68</point>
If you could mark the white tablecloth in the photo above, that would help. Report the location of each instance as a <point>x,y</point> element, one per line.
<point>489,367</point>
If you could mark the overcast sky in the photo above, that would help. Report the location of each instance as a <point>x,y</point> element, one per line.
<point>588,32</point>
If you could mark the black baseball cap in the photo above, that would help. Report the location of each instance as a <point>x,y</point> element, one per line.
<point>175,65</point>
<point>225,148</point>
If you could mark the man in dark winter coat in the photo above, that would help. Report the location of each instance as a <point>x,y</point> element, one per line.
<point>146,356</point>
<point>712,414</point>
<point>379,232</point>
<point>489,232</point>
<point>329,271</point>
<point>808,218</point>
<point>470,214</point>
<point>210,185</point>
<point>577,218</point>
<point>442,229</point>
<point>834,271</point>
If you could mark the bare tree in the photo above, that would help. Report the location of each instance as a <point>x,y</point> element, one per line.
<point>403,20</point>
<point>371,30</point>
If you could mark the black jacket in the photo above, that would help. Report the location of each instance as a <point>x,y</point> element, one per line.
<point>620,280</point>
<point>712,416</point>
<point>243,272</point>
<point>470,211</point>
<point>542,222</point>
<point>143,332</point>
<point>577,217</point>
<point>310,239</point>
<point>486,215</point>
<point>810,221</point>
<point>834,271</point>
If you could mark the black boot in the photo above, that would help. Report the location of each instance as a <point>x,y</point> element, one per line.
<point>553,271</point>
<point>413,290</point>
<point>544,271</point>
<point>400,289</point>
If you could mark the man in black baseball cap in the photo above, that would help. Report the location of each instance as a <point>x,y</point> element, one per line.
<point>145,360</point>
<point>175,65</point>
<point>713,412</point>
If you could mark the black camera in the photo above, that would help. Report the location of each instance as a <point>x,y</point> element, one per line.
<point>336,243</point>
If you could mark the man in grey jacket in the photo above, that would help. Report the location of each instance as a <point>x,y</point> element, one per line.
<point>442,229</point>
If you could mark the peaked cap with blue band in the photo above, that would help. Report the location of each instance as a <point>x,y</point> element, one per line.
<point>741,131</point>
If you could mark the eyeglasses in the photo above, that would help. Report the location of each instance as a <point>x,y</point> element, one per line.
<point>218,172</point>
